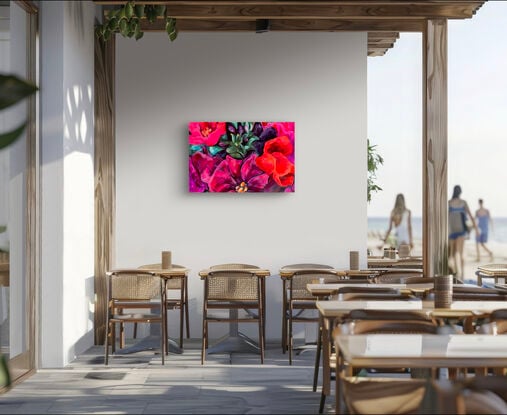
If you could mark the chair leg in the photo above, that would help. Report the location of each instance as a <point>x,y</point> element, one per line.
<point>106,344</point>
<point>204,341</point>
<point>187,322</point>
<point>261,335</point>
<point>182,300</point>
<point>290,340</point>
<point>284,329</point>
<point>135,331</point>
<point>113,338</point>
<point>322,402</point>
<point>163,339</point>
<point>317,359</point>
<point>166,332</point>
<point>122,335</point>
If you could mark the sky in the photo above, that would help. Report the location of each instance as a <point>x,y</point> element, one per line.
<point>477,114</point>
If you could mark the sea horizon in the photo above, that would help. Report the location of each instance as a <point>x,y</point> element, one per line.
<point>497,233</point>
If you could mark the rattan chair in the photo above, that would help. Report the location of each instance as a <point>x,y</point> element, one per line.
<point>232,287</point>
<point>176,299</point>
<point>396,276</point>
<point>379,321</point>
<point>134,289</point>
<point>297,300</point>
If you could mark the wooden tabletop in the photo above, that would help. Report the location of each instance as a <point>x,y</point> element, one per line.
<point>174,271</point>
<point>289,272</point>
<point>459,309</point>
<point>423,350</point>
<point>256,271</point>
<point>320,290</point>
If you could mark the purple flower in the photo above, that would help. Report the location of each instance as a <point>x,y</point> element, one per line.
<point>201,167</point>
<point>233,175</point>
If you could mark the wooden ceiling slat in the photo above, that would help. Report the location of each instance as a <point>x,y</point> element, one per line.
<point>360,9</point>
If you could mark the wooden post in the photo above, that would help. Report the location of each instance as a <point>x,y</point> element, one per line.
<point>435,210</point>
<point>104,177</point>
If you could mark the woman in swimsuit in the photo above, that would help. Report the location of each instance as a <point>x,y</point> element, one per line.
<point>401,221</point>
<point>483,218</point>
<point>458,213</point>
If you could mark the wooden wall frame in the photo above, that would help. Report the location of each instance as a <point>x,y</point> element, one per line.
<point>428,17</point>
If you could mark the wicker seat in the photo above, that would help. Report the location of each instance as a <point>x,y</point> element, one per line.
<point>232,287</point>
<point>133,289</point>
<point>297,299</point>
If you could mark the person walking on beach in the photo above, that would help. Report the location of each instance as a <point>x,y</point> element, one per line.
<point>401,221</point>
<point>458,230</point>
<point>483,218</point>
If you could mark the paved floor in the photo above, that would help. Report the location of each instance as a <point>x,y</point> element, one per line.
<point>139,384</point>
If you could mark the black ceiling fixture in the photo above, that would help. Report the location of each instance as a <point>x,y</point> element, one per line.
<point>262,25</point>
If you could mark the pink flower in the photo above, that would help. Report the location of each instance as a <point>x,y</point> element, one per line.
<point>207,133</point>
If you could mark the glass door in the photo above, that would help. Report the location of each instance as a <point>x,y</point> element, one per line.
<point>18,193</point>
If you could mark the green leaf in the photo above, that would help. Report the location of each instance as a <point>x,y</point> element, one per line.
<point>9,138</point>
<point>170,28</point>
<point>150,12</point>
<point>235,155</point>
<point>214,150</point>
<point>123,26</point>
<point>5,376</point>
<point>138,34</point>
<point>139,10</point>
<point>160,9</point>
<point>129,10</point>
<point>13,90</point>
<point>252,140</point>
<point>112,24</point>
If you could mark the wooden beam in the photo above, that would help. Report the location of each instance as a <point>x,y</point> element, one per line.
<point>246,10</point>
<point>435,243</point>
<point>328,25</point>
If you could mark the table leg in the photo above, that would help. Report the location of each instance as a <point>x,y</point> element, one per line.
<point>235,341</point>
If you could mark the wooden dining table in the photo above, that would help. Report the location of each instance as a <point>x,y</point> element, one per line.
<point>466,311</point>
<point>416,351</point>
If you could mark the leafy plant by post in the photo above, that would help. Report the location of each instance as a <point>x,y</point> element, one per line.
<point>126,20</point>
<point>374,161</point>
<point>13,90</point>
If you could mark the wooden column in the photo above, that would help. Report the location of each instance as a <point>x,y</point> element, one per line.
<point>435,228</point>
<point>104,176</point>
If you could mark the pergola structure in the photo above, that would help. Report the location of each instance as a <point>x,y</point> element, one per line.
<point>382,20</point>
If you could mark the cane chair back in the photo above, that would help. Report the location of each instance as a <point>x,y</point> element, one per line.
<point>297,299</point>
<point>133,289</point>
<point>232,287</point>
<point>396,277</point>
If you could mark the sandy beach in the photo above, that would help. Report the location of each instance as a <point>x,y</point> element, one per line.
<point>499,253</point>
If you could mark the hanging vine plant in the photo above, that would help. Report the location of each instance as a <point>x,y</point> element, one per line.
<point>126,21</point>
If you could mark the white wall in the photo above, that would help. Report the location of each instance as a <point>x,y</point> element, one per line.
<point>67,180</point>
<point>317,80</point>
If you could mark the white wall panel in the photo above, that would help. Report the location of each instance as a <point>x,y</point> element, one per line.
<point>317,80</point>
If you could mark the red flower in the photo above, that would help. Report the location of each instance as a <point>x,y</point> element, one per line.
<point>275,161</point>
<point>207,133</point>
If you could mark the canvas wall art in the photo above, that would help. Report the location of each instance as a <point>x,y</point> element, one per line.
<point>241,157</point>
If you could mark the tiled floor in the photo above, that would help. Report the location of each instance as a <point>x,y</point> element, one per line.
<point>139,384</point>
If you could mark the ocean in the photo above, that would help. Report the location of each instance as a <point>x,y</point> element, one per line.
<point>497,234</point>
